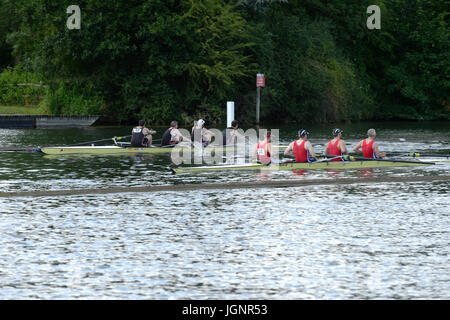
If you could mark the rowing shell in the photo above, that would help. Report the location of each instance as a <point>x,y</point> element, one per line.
<point>320,165</point>
<point>102,150</point>
<point>124,150</point>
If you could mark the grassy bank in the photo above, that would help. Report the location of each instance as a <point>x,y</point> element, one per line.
<point>22,110</point>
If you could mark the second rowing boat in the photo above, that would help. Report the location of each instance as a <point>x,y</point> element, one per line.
<point>320,165</point>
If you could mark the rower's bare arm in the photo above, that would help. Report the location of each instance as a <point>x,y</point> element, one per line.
<point>178,136</point>
<point>310,149</point>
<point>148,132</point>
<point>209,135</point>
<point>289,149</point>
<point>377,151</point>
<point>325,152</point>
<point>343,147</point>
<point>357,147</point>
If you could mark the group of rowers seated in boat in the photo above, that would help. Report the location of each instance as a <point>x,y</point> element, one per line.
<point>141,136</point>
<point>335,149</point>
<point>301,148</point>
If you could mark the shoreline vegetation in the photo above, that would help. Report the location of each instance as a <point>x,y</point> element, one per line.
<point>164,60</point>
<point>23,110</point>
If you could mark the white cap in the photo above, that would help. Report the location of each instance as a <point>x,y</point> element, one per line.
<point>200,122</point>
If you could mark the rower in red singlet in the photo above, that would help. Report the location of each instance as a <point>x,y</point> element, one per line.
<point>336,147</point>
<point>369,146</point>
<point>263,149</point>
<point>301,148</point>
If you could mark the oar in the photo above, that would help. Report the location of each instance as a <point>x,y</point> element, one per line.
<point>97,141</point>
<point>352,158</point>
<point>329,158</point>
<point>167,146</point>
<point>417,154</point>
<point>38,149</point>
<point>288,160</point>
<point>396,154</point>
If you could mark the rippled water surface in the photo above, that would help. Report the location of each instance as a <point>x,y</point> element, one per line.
<point>360,241</point>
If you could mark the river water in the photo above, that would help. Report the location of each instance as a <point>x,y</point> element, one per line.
<point>358,241</point>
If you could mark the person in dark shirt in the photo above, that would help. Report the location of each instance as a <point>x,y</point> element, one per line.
<point>172,135</point>
<point>141,136</point>
<point>231,134</point>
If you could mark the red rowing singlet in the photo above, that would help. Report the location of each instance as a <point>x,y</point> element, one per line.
<point>367,149</point>
<point>334,150</point>
<point>262,152</point>
<point>300,153</point>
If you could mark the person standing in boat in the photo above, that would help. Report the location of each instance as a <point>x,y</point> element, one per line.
<point>141,136</point>
<point>336,147</point>
<point>263,150</point>
<point>301,148</point>
<point>172,136</point>
<point>231,134</point>
<point>201,135</point>
<point>369,147</point>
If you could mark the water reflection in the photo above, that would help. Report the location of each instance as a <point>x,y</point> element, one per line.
<point>323,242</point>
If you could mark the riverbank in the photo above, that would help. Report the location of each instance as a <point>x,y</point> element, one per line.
<point>13,121</point>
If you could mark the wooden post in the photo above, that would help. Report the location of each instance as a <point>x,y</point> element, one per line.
<point>258,103</point>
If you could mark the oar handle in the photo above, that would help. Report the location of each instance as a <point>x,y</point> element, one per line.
<point>345,157</point>
<point>121,138</point>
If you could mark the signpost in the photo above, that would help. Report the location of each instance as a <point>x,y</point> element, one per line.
<point>260,82</point>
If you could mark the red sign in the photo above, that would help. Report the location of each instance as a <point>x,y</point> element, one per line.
<point>260,80</point>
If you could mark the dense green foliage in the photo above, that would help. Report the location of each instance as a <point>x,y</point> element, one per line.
<point>14,88</point>
<point>183,59</point>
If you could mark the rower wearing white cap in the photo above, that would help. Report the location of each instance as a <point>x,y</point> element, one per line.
<point>301,148</point>
<point>200,134</point>
<point>336,147</point>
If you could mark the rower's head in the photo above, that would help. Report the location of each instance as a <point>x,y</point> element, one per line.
<point>267,136</point>
<point>303,134</point>
<point>234,124</point>
<point>200,123</point>
<point>174,124</point>
<point>337,133</point>
<point>371,133</point>
<point>142,123</point>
